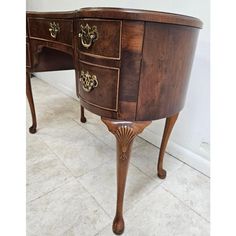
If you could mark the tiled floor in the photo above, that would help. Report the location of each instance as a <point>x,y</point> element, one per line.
<point>71,182</point>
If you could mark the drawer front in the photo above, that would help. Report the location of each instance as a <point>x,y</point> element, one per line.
<point>101,38</point>
<point>98,85</point>
<point>57,30</point>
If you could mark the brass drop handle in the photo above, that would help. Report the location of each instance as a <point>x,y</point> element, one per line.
<point>89,82</point>
<point>88,35</point>
<point>54,29</point>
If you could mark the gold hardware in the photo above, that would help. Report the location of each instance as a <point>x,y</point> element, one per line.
<point>89,82</point>
<point>88,35</point>
<point>54,29</point>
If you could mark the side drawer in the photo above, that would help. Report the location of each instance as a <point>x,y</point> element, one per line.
<point>58,30</point>
<point>98,85</point>
<point>101,38</point>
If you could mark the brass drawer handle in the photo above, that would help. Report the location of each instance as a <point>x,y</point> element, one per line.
<point>54,29</point>
<point>89,82</point>
<point>88,35</point>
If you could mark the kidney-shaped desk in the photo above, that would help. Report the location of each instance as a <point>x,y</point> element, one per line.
<point>131,67</point>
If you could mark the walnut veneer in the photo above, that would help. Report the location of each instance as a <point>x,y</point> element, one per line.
<point>131,67</point>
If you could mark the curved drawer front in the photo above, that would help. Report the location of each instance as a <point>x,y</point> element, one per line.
<point>98,85</point>
<point>101,38</point>
<point>56,30</point>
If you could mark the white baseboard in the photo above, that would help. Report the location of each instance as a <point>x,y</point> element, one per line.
<point>192,159</point>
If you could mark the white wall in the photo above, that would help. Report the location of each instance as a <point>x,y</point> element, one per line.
<point>190,138</point>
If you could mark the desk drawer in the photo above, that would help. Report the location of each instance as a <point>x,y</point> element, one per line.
<point>57,30</point>
<point>98,85</point>
<point>100,38</point>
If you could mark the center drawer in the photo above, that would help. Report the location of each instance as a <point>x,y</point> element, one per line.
<point>98,85</point>
<point>100,38</point>
<point>58,30</point>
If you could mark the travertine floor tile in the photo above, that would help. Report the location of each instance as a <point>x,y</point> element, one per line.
<point>95,126</point>
<point>145,157</point>
<point>63,148</point>
<point>101,183</point>
<point>50,104</point>
<point>161,214</point>
<point>79,150</point>
<point>191,187</point>
<point>45,171</point>
<point>63,209</point>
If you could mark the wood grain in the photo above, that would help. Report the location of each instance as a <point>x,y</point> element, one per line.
<point>168,52</point>
<point>105,95</point>
<point>39,29</point>
<point>170,122</point>
<point>108,43</point>
<point>29,94</point>
<point>132,43</point>
<point>125,132</point>
<point>142,60</point>
<point>143,15</point>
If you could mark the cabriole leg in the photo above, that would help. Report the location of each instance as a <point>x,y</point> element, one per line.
<point>170,121</point>
<point>82,117</point>
<point>29,95</point>
<point>125,132</point>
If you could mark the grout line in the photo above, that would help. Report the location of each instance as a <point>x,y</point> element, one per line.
<point>149,192</point>
<point>162,181</point>
<point>175,157</point>
<point>103,229</point>
<point>142,198</point>
<point>147,175</point>
<point>72,175</point>
<point>56,188</point>
<point>76,223</point>
<point>77,176</point>
<point>188,165</point>
<point>94,198</point>
<point>100,139</point>
<point>62,162</point>
<point>66,181</point>
<point>50,85</point>
<point>163,187</point>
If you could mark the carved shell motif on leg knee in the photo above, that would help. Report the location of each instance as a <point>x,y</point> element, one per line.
<point>125,135</point>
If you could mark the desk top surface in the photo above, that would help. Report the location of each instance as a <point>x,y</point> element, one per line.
<point>126,14</point>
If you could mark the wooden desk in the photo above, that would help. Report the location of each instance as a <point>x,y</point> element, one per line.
<point>131,67</point>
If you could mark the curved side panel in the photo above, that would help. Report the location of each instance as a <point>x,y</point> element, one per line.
<point>167,59</point>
